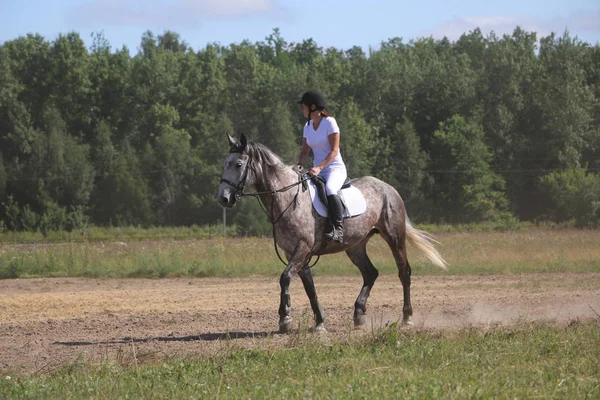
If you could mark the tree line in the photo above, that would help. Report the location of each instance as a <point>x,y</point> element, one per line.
<point>482,129</point>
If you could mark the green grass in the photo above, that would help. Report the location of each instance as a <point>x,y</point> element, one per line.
<point>528,361</point>
<point>96,234</point>
<point>523,251</point>
<point>131,233</point>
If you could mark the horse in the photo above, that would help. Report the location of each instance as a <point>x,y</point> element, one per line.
<point>299,230</point>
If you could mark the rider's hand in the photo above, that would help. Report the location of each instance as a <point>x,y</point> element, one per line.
<point>314,171</point>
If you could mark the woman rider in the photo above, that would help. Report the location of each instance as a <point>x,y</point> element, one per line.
<point>322,136</point>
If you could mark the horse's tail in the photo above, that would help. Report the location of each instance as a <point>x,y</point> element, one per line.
<point>424,243</point>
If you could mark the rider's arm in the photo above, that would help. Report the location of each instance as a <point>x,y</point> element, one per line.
<point>334,141</point>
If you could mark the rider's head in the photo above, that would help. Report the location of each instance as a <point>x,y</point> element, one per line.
<point>314,101</point>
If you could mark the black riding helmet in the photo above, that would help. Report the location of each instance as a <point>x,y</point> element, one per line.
<point>313,97</point>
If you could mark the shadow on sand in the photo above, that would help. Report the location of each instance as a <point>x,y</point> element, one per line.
<point>201,337</point>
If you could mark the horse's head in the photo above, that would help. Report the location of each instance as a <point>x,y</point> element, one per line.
<point>235,172</point>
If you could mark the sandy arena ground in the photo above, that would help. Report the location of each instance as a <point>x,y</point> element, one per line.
<point>47,323</point>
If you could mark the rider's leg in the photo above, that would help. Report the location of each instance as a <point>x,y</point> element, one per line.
<point>334,179</point>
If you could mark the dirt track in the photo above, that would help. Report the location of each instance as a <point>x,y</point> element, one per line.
<point>46,323</point>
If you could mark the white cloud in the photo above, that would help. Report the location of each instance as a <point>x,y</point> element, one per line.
<point>578,22</point>
<point>177,13</point>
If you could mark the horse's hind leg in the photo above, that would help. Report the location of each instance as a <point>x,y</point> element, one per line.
<point>309,288</point>
<point>393,231</point>
<point>398,247</point>
<point>359,257</point>
<point>404,274</point>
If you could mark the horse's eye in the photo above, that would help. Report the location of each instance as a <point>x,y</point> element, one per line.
<point>238,165</point>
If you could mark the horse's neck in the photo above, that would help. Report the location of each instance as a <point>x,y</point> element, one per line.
<point>270,184</point>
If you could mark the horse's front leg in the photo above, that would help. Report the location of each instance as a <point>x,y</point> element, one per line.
<point>311,292</point>
<point>285,305</point>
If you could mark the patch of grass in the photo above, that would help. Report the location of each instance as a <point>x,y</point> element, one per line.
<point>131,233</point>
<point>127,233</point>
<point>523,251</point>
<point>533,361</point>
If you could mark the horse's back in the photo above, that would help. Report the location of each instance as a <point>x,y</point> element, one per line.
<point>379,195</point>
<point>372,187</point>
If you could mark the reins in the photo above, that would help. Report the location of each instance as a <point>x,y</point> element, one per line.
<point>301,181</point>
<point>302,178</point>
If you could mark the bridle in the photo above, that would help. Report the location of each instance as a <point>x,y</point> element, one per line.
<point>302,179</point>
<point>242,183</point>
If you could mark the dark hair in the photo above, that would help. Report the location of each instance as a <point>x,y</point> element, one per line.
<point>323,113</point>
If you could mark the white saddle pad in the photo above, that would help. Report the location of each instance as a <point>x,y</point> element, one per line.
<point>352,197</point>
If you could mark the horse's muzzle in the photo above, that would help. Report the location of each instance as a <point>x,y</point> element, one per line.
<point>225,202</point>
<point>226,198</point>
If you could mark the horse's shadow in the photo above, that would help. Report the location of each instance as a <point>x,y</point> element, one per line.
<point>209,337</point>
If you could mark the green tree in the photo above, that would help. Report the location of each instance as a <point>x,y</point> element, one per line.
<point>243,74</point>
<point>139,139</point>
<point>359,141</point>
<point>112,97</point>
<point>29,60</point>
<point>278,132</point>
<point>3,179</point>
<point>445,86</point>
<point>168,160</point>
<point>16,125</point>
<point>66,174</point>
<point>466,189</point>
<point>70,79</point>
<point>574,194</point>
<point>208,168</point>
<point>409,165</point>
<point>557,120</point>
<point>126,193</point>
<point>568,106</point>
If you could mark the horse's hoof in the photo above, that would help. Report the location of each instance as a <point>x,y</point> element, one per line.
<point>320,328</point>
<point>407,322</point>
<point>360,320</point>
<point>285,325</point>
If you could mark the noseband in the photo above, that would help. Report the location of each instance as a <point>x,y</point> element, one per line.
<point>242,183</point>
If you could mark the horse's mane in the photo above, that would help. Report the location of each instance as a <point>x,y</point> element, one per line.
<point>264,160</point>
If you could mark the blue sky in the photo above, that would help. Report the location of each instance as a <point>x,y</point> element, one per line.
<point>331,23</point>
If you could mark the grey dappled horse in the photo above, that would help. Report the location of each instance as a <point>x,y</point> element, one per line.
<point>300,230</point>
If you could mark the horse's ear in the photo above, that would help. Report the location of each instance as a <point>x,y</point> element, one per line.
<point>234,145</point>
<point>243,141</point>
<point>232,141</point>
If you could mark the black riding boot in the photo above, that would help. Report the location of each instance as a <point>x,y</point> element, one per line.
<point>335,208</point>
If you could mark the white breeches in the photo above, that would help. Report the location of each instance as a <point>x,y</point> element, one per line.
<point>334,179</point>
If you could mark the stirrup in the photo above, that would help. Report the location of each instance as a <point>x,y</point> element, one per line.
<point>337,235</point>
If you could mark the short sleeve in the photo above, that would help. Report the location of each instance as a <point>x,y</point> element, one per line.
<point>333,126</point>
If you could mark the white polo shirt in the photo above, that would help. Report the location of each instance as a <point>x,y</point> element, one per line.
<point>319,142</point>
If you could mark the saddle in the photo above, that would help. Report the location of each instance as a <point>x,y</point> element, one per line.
<point>320,185</point>
<point>352,199</point>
